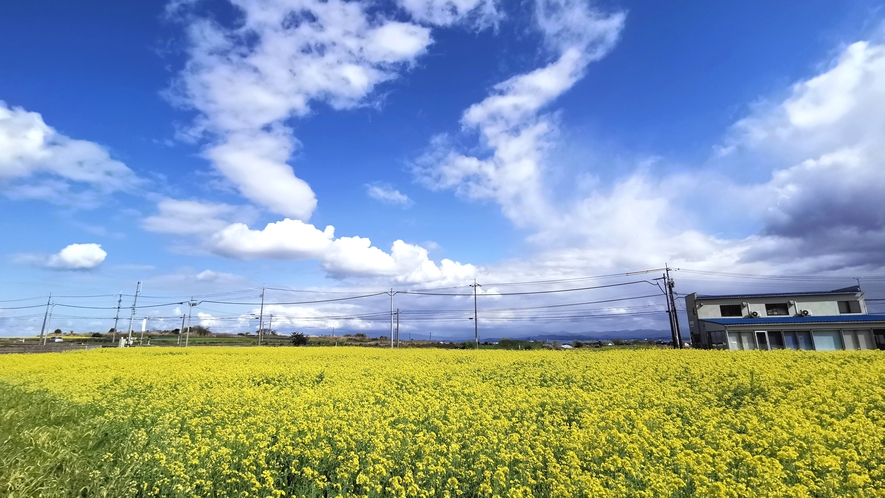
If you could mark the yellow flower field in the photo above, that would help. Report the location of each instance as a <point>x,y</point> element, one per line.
<point>368,422</point>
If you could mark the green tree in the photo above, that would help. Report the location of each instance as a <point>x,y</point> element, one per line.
<point>298,339</point>
<point>200,330</point>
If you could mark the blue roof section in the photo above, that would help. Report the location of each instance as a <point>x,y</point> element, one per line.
<point>796,320</point>
<point>845,290</point>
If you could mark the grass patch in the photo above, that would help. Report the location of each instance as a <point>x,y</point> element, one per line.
<point>53,447</point>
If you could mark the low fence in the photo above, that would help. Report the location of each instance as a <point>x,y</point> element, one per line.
<point>48,348</point>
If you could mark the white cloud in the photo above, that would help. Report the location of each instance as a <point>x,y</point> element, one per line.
<point>573,24</point>
<point>247,80</point>
<point>804,175</point>
<point>509,123</point>
<point>835,109</point>
<point>341,257</point>
<point>77,257</point>
<point>194,217</point>
<point>217,276</point>
<point>388,195</point>
<point>207,320</point>
<point>823,198</point>
<point>37,162</point>
<point>255,161</point>
<point>335,316</point>
<point>481,13</point>
<point>286,239</point>
<point>807,170</point>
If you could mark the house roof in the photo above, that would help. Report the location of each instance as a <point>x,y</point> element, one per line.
<point>845,290</point>
<point>796,320</point>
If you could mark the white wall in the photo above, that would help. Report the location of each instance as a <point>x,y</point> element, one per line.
<point>824,305</point>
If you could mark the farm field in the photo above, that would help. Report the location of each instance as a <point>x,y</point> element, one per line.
<point>367,422</point>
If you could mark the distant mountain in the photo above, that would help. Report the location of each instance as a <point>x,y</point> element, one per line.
<point>561,336</point>
<point>591,336</point>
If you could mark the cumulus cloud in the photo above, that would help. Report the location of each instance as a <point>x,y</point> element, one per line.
<point>799,177</point>
<point>510,123</point>
<point>38,162</point>
<point>246,80</point>
<point>823,197</point>
<point>341,257</point>
<point>388,195</point>
<point>480,13</point>
<point>286,239</point>
<point>217,277</point>
<point>336,316</point>
<point>803,174</point>
<point>207,320</point>
<point>77,257</point>
<point>195,217</point>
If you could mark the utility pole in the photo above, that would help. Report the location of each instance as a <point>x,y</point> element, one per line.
<point>43,327</point>
<point>117,317</point>
<point>270,324</point>
<point>671,307</point>
<point>143,327</point>
<point>180,330</point>
<point>475,321</point>
<point>669,312</point>
<point>49,323</point>
<point>132,316</point>
<point>190,311</point>
<point>391,318</point>
<point>397,327</point>
<point>260,316</point>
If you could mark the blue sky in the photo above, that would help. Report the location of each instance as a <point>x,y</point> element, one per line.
<point>205,146</point>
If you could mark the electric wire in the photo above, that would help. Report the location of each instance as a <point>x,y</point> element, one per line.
<point>350,313</point>
<point>23,307</point>
<point>22,299</point>
<point>302,302</point>
<point>526,293</point>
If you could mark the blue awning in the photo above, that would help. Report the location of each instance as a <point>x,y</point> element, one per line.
<point>796,320</point>
<point>846,290</point>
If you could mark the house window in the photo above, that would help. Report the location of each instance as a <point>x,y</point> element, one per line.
<point>775,340</point>
<point>775,309</point>
<point>747,342</point>
<point>790,341</point>
<point>731,310</point>
<point>827,340</point>
<point>849,307</point>
<point>718,339</point>
<point>741,341</point>
<point>804,339</point>
<point>798,340</point>
<point>879,334</point>
<point>857,339</point>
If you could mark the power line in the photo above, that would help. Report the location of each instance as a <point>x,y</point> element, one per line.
<point>311,291</point>
<point>783,277</point>
<point>303,302</point>
<point>21,299</point>
<point>22,307</point>
<point>526,293</point>
<point>574,279</point>
<point>114,307</point>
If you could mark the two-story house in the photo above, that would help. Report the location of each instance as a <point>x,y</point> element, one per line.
<point>826,320</point>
